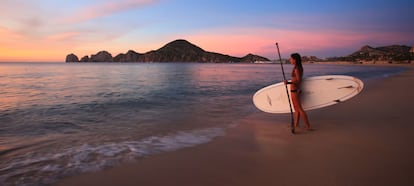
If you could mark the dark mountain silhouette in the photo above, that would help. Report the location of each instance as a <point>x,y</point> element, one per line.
<point>175,51</point>
<point>393,52</point>
<point>384,53</point>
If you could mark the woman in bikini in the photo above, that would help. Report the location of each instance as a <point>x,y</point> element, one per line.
<point>295,83</point>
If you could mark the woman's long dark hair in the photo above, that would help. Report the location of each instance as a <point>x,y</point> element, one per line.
<point>298,60</point>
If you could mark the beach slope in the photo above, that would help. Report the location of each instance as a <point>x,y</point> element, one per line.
<point>367,140</point>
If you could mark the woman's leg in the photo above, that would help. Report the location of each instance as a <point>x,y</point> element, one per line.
<point>299,112</point>
<point>297,118</point>
<point>305,119</point>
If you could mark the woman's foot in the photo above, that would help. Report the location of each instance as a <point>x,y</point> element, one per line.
<point>310,129</point>
<point>296,126</point>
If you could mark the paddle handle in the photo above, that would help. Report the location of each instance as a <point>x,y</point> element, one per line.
<point>287,91</point>
<point>280,60</point>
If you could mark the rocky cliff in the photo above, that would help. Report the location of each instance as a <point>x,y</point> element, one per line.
<point>72,58</point>
<point>130,56</point>
<point>102,56</point>
<point>175,51</point>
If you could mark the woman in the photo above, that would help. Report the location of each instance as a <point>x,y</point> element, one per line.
<point>297,73</point>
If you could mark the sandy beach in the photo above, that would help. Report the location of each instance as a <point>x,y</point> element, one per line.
<point>367,140</point>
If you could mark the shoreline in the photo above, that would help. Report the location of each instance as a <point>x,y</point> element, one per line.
<point>366,140</point>
<point>379,63</point>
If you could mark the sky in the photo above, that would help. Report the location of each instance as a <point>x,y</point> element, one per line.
<point>48,30</point>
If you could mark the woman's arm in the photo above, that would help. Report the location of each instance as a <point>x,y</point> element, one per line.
<point>297,78</point>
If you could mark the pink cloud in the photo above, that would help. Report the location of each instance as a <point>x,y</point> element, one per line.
<point>8,35</point>
<point>15,46</point>
<point>63,36</point>
<point>106,8</point>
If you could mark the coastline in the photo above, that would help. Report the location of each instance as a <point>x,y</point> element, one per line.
<point>379,63</point>
<point>364,141</point>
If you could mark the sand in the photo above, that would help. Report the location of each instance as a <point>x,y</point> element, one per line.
<point>367,140</point>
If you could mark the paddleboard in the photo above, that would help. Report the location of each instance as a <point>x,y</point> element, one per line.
<point>316,92</point>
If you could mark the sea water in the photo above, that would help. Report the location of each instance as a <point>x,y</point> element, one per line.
<point>63,119</point>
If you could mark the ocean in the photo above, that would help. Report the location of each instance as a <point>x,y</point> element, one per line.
<point>64,119</point>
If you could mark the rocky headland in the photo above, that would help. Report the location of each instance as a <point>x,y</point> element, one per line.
<point>184,51</point>
<point>175,51</point>
<point>384,54</point>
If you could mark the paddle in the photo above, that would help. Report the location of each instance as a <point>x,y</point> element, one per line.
<point>287,92</point>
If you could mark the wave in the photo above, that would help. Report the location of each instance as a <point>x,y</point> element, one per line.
<point>46,168</point>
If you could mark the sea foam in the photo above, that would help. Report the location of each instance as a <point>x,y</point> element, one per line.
<point>38,169</point>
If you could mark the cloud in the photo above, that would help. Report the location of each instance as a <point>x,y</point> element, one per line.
<point>64,36</point>
<point>106,8</point>
<point>8,35</point>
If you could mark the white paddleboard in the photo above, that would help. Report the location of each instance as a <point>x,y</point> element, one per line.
<point>316,92</point>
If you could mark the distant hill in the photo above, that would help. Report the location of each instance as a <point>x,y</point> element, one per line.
<point>385,53</point>
<point>175,51</point>
<point>393,52</point>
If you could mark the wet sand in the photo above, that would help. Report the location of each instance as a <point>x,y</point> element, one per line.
<point>367,140</point>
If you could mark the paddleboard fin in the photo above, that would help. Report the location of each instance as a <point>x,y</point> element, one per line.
<point>269,100</point>
<point>350,86</point>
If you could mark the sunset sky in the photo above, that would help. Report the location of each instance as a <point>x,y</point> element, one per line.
<point>48,30</point>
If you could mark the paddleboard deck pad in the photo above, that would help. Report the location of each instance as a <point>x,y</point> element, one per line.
<point>316,92</point>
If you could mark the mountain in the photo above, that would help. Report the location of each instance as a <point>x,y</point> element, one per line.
<point>384,53</point>
<point>175,51</point>
<point>393,52</point>
<point>102,56</point>
<point>130,56</point>
<point>252,58</point>
<point>184,51</point>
